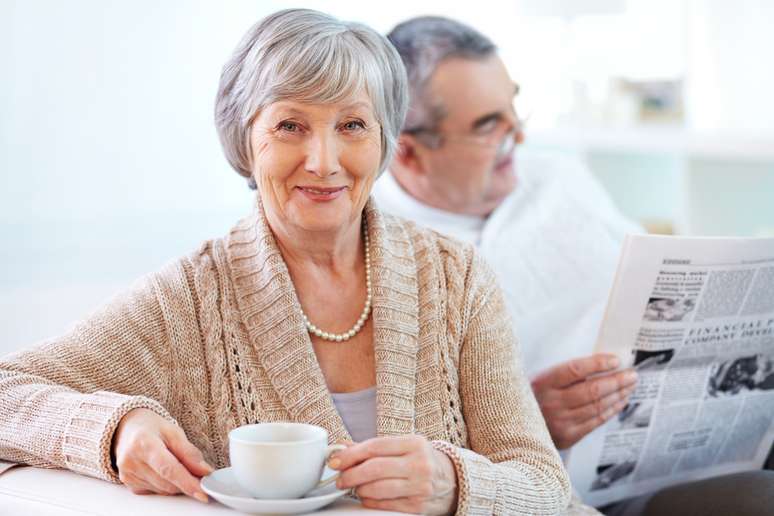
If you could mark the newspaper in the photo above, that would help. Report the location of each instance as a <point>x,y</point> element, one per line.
<point>695,318</point>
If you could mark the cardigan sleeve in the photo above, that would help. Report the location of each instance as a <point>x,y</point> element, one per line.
<point>61,402</point>
<point>512,466</point>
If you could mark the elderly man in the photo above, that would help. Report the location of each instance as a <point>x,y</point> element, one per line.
<point>550,233</point>
<point>546,227</point>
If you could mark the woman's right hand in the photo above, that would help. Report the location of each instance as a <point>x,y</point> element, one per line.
<point>154,456</point>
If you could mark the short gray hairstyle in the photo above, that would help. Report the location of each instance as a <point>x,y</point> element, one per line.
<point>307,56</point>
<point>423,43</point>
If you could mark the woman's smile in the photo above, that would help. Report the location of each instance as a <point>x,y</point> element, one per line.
<point>321,193</point>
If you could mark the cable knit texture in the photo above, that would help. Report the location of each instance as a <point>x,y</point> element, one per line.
<point>216,340</point>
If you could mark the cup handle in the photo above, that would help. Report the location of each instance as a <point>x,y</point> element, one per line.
<point>328,452</point>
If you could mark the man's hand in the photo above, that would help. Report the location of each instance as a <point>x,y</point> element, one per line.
<point>154,456</point>
<point>574,403</point>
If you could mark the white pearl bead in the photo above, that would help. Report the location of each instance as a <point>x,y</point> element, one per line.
<point>366,309</point>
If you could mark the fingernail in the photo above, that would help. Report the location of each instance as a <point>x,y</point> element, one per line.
<point>201,497</point>
<point>206,466</point>
<point>334,463</point>
<point>612,362</point>
<point>630,377</point>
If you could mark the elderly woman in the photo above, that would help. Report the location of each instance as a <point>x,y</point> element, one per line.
<point>315,295</point>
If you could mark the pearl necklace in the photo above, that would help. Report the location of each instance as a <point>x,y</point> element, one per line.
<point>341,337</point>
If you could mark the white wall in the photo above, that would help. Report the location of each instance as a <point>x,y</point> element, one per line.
<point>107,105</point>
<point>729,65</point>
<point>109,161</point>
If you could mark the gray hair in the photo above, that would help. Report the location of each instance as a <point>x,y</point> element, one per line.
<point>307,56</point>
<point>423,43</point>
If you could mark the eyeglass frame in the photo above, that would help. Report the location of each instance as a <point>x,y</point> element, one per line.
<point>503,147</point>
<point>424,133</point>
<point>434,139</point>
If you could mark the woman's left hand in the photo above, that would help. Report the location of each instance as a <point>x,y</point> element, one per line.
<point>402,473</point>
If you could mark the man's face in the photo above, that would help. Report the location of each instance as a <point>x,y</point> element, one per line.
<point>466,170</point>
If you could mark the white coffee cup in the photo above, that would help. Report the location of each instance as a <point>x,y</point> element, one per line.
<point>280,460</point>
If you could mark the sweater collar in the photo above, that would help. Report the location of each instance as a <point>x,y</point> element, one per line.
<point>271,312</point>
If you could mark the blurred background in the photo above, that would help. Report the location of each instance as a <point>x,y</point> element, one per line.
<point>110,165</point>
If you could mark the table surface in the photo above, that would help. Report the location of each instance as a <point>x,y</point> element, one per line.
<point>53,492</point>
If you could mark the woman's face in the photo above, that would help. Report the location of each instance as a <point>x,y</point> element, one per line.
<point>315,164</point>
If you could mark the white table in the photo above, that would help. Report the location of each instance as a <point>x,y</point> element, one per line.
<point>51,492</point>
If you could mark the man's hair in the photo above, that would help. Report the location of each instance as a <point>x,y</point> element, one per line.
<point>423,43</point>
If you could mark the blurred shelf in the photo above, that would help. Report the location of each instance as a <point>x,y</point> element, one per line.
<point>732,146</point>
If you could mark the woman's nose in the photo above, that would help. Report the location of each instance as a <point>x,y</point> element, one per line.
<point>323,155</point>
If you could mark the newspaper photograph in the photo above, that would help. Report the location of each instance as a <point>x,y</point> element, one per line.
<point>695,318</point>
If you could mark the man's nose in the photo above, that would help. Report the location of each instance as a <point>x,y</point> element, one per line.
<point>323,155</point>
<point>518,135</point>
<point>518,131</point>
<point>512,138</point>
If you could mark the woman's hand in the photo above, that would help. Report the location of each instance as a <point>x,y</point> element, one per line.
<point>403,474</point>
<point>154,456</point>
<point>576,397</point>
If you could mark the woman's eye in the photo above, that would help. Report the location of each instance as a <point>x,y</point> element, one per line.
<point>290,127</point>
<point>353,125</point>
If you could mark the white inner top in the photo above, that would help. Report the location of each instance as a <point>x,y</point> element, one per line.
<point>358,410</point>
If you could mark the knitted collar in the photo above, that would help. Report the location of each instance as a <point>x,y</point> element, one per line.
<point>268,304</point>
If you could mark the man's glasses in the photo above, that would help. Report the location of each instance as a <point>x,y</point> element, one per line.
<point>501,137</point>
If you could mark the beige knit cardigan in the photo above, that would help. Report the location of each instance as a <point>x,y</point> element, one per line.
<point>216,340</point>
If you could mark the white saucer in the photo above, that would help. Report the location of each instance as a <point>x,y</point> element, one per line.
<point>222,486</point>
